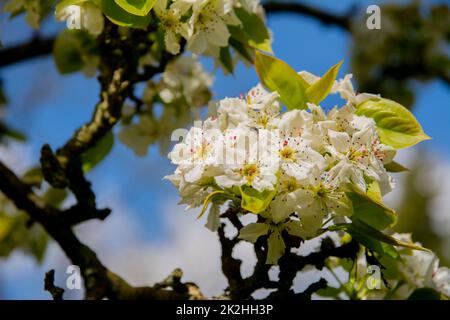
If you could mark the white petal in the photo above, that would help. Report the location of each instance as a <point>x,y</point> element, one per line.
<point>339,140</point>
<point>172,42</point>
<point>219,34</point>
<point>441,279</point>
<point>197,43</point>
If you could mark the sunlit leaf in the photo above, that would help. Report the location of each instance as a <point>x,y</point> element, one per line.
<point>370,209</point>
<point>253,30</point>
<point>358,227</point>
<point>320,89</point>
<point>254,200</point>
<point>123,18</point>
<point>396,125</point>
<point>395,167</point>
<point>207,201</point>
<point>278,76</point>
<point>136,7</point>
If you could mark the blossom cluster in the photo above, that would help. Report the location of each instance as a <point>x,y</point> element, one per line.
<point>302,162</point>
<point>203,24</point>
<point>183,88</point>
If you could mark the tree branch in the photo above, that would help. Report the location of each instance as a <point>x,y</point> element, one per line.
<point>39,47</point>
<point>99,281</point>
<point>302,9</point>
<point>35,48</point>
<point>49,285</point>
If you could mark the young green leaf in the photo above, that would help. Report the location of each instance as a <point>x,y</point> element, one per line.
<point>226,60</point>
<point>320,89</point>
<point>278,76</point>
<point>208,200</point>
<point>363,228</point>
<point>396,125</point>
<point>96,154</point>
<point>55,197</point>
<point>136,7</point>
<point>374,192</point>
<point>255,201</point>
<point>395,167</point>
<point>70,49</point>
<point>122,17</point>
<point>276,247</point>
<point>253,231</point>
<point>368,241</point>
<point>369,208</point>
<point>253,32</point>
<point>246,52</point>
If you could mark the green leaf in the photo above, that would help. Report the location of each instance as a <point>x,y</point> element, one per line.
<point>395,167</point>
<point>425,294</point>
<point>278,76</point>
<point>96,154</point>
<point>6,224</point>
<point>275,247</point>
<point>375,245</point>
<point>6,131</point>
<point>37,241</point>
<point>253,231</point>
<point>55,197</point>
<point>358,227</point>
<point>369,208</point>
<point>374,192</point>
<point>320,89</point>
<point>329,292</point>
<point>70,48</point>
<point>253,32</point>
<point>123,18</point>
<point>225,59</point>
<point>208,199</point>
<point>255,201</point>
<point>14,234</point>
<point>33,176</point>
<point>136,7</point>
<point>397,126</point>
<point>243,50</point>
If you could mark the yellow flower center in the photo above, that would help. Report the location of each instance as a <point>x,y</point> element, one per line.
<point>287,153</point>
<point>290,185</point>
<point>250,171</point>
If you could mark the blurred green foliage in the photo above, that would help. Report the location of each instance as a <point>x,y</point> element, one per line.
<point>412,44</point>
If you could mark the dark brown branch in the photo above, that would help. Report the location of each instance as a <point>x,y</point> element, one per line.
<point>37,47</point>
<point>49,285</point>
<point>98,280</point>
<point>231,267</point>
<point>299,8</point>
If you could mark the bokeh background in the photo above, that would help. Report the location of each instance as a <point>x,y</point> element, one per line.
<point>148,234</point>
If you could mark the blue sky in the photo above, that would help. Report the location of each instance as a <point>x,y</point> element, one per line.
<point>49,108</point>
